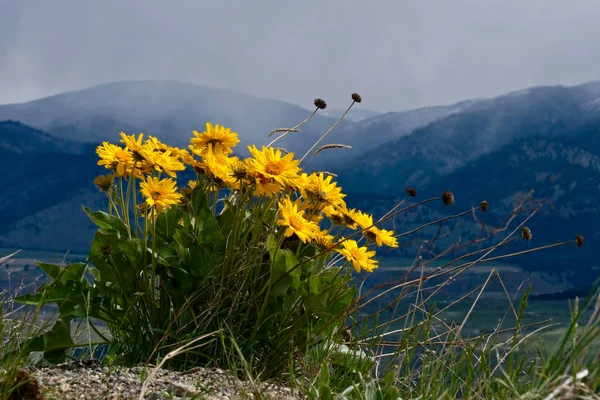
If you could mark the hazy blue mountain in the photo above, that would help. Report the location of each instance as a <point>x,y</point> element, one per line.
<point>370,133</point>
<point>446,144</point>
<point>355,114</point>
<point>564,171</point>
<point>40,172</point>
<point>168,109</point>
<point>22,139</point>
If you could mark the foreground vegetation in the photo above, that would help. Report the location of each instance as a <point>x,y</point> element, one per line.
<point>253,267</point>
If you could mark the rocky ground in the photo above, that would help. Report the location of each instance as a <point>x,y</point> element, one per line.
<point>90,380</point>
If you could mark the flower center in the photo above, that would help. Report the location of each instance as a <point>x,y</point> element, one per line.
<point>156,195</point>
<point>297,222</point>
<point>273,168</point>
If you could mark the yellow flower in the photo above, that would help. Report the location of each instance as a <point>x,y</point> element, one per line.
<point>265,186</point>
<point>192,184</point>
<point>160,193</point>
<point>217,137</point>
<point>360,257</point>
<point>374,233</point>
<point>382,236</point>
<point>322,190</point>
<point>131,142</point>
<point>160,161</point>
<point>270,164</point>
<point>221,167</point>
<point>116,158</point>
<point>324,240</point>
<point>295,222</point>
<point>155,144</point>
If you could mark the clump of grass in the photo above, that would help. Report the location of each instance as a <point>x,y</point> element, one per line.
<point>17,324</point>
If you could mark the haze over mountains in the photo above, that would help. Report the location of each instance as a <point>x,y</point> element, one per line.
<point>545,138</point>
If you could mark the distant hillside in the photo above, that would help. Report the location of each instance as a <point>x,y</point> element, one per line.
<point>444,145</point>
<point>18,138</point>
<point>356,113</point>
<point>168,109</point>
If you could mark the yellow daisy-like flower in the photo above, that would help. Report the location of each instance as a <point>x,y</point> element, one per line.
<point>131,142</point>
<point>270,164</point>
<point>360,257</point>
<point>160,194</point>
<point>221,167</point>
<point>192,184</point>
<point>155,144</point>
<point>160,161</point>
<point>116,158</point>
<point>309,214</point>
<point>374,233</point>
<point>322,190</point>
<point>217,137</point>
<point>294,220</point>
<point>264,186</point>
<point>185,157</point>
<point>325,240</point>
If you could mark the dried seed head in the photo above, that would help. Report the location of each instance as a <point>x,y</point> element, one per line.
<point>186,195</point>
<point>411,192</point>
<point>579,240</point>
<point>347,335</point>
<point>356,97</point>
<point>320,104</point>
<point>23,385</point>
<point>104,182</point>
<point>105,249</point>
<point>448,197</point>
<point>331,146</point>
<point>526,233</point>
<point>484,206</point>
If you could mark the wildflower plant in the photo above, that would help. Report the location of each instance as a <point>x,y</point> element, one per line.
<point>255,248</point>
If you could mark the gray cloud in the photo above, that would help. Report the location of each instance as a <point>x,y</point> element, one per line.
<point>397,54</point>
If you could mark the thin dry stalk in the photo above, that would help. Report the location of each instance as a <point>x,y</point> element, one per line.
<point>171,354</point>
<point>327,133</point>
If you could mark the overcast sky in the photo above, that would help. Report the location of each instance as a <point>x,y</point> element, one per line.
<point>397,54</point>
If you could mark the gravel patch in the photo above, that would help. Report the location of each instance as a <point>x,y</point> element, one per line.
<point>89,380</point>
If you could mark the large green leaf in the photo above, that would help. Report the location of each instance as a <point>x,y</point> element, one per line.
<point>283,272</point>
<point>52,270</point>
<point>58,340</point>
<point>205,222</point>
<point>168,222</point>
<point>181,282</point>
<point>202,262</point>
<point>133,249</point>
<point>107,221</point>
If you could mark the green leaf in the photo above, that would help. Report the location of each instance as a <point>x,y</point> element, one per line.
<point>73,273</point>
<point>167,222</point>
<point>313,284</point>
<point>226,219</point>
<point>52,270</point>
<point>107,221</point>
<point>58,340</point>
<point>133,249</point>
<point>283,272</point>
<point>181,282</point>
<point>202,262</point>
<point>324,375</point>
<point>391,393</point>
<point>205,222</point>
<point>95,273</point>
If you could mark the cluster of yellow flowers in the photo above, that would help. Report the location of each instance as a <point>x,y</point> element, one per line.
<point>304,200</point>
